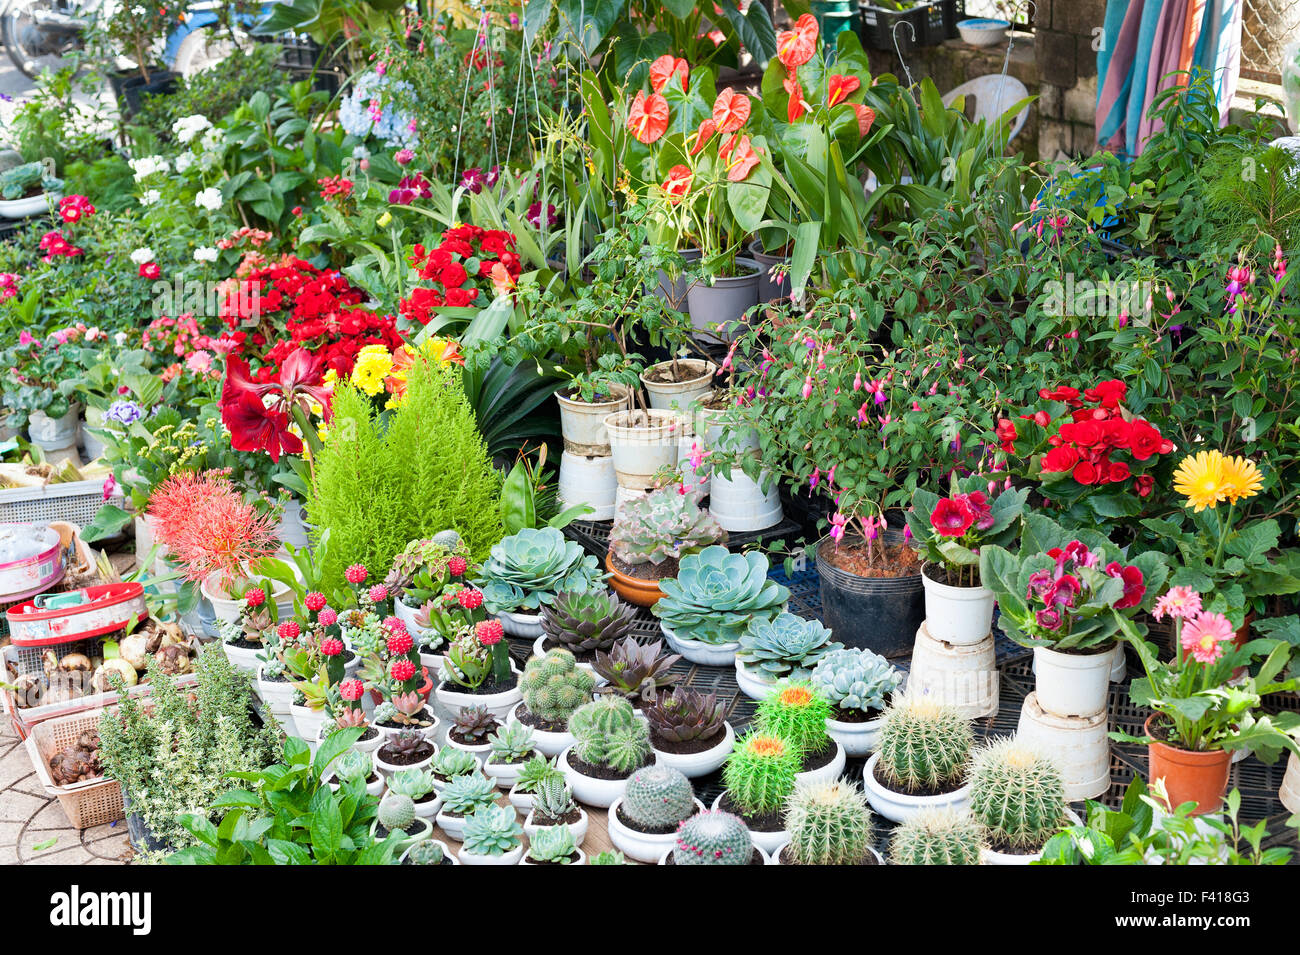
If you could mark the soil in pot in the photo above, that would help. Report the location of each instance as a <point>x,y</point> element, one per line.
<point>891,559</point>
<point>598,772</point>
<point>488,687</point>
<point>649,572</point>
<point>422,720</point>
<point>755,859</point>
<point>445,861</point>
<point>530,719</point>
<point>856,716</point>
<point>763,822</point>
<point>817,760</point>
<point>571,818</point>
<point>637,827</point>
<point>368,734</point>
<point>512,762</point>
<point>243,643</point>
<point>885,784</point>
<point>466,741</point>
<point>586,656</point>
<point>428,797</point>
<point>686,747</point>
<point>663,374</point>
<point>422,752</point>
<point>573,858</point>
<point>942,574</point>
<point>787,858</point>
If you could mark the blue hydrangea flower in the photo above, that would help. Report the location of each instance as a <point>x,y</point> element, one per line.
<point>395,127</point>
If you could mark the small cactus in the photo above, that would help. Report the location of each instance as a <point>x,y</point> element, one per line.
<point>760,773</point>
<point>657,798</point>
<point>829,824</point>
<point>396,812</point>
<point>608,733</point>
<point>553,800</point>
<point>924,746</point>
<point>796,713</point>
<point>713,837</point>
<point>425,853</point>
<point>937,837</point>
<point>1017,793</point>
<point>554,686</point>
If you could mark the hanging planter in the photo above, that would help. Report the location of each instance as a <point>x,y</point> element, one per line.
<point>643,443</point>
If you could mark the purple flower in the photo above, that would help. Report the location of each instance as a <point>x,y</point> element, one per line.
<point>473,180</point>
<point>124,413</point>
<point>534,215</point>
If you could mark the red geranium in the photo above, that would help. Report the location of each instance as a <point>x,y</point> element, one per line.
<point>458,269</point>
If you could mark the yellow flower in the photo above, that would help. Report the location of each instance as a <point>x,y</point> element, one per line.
<point>372,367</point>
<point>1240,478</point>
<point>1200,479</point>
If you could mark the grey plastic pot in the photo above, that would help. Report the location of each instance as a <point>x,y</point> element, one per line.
<point>769,289</point>
<point>881,614</point>
<point>719,309</point>
<point>673,290</point>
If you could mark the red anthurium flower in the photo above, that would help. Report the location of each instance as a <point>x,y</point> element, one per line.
<point>798,105</point>
<point>739,159</point>
<point>730,110</point>
<point>702,135</point>
<point>678,183</point>
<point>795,47</point>
<point>866,116</point>
<point>840,87</point>
<point>648,118</point>
<point>662,70</point>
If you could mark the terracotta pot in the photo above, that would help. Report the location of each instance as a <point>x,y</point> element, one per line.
<point>426,687</point>
<point>643,593</point>
<point>1190,776</point>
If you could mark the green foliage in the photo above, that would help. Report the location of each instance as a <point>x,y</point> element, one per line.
<point>658,797</point>
<point>608,857</point>
<point>513,743</point>
<point>553,844</point>
<point>784,646</point>
<point>1017,794</point>
<point>427,852</point>
<point>528,568</point>
<point>829,824</point>
<point>661,525</point>
<point>924,746</point>
<point>937,837</point>
<point>716,594</point>
<point>466,794</point>
<point>586,621</point>
<point>760,773</point>
<point>450,762</point>
<point>553,686</point>
<point>797,714</point>
<point>713,837</point>
<point>492,831</point>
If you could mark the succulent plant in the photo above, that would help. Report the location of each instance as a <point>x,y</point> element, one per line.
<point>536,771</point>
<point>662,525</point>
<point>473,724</point>
<point>716,594</point>
<point>553,800</point>
<point>353,764</point>
<point>937,837</point>
<point>587,621</point>
<point>760,773</point>
<point>1017,793</point>
<point>829,824</point>
<point>553,844</point>
<point>855,679</point>
<point>513,743</point>
<point>416,783</point>
<point>795,713</point>
<point>657,798</point>
<point>554,686</point>
<point>636,670</point>
<point>425,853</point>
<point>492,831</point>
<point>784,646</point>
<point>713,838</point>
<point>17,181</point>
<point>608,857</point>
<point>924,745</point>
<point>450,762</point>
<point>396,812</point>
<point>526,570</point>
<point>608,733</point>
<point>464,794</point>
<point>683,714</point>
<point>406,744</point>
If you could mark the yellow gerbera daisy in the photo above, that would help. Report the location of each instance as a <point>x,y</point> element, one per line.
<point>1241,478</point>
<point>1199,478</point>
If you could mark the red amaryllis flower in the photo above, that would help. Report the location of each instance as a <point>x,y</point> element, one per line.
<point>739,158</point>
<point>702,135</point>
<point>795,47</point>
<point>678,183</point>
<point>647,120</point>
<point>662,70</point>
<point>730,111</point>
<point>258,424</point>
<point>255,427</point>
<point>866,116</point>
<point>951,518</point>
<point>840,87</point>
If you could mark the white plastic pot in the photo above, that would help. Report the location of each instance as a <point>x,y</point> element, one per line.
<point>856,739</point>
<point>754,687</point>
<point>992,857</point>
<point>227,609</point>
<point>579,828</point>
<point>642,450</point>
<point>504,774</point>
<point>446,853</point>
<point>453,826</point>
<point>828,773</point>
<point>54,434</point>
<point>429,808</point>
<point>306,721</point>
<point>774,858</point>
<point>1077,744</point>
<point>964,676</point>
<point>702,763</point>
<point>899,807</point>
<point>583,424</point>
<point>736,501</point>
<point>1072,684</point>
<point>704,654</point>
<point>509,858</point>
<point>498,704</point>
<point>1119,666</point>
<point>374,788</point>
<point>588,479</point>
<point>767,841</point>
<point>406,613</point>
<point>429,732</point>
<point>547,743</point>
<point>243,658</point>
<point>1290,791</point>
<point>389,768</point>
<point>479,750</point>
<point>641,846</point>
<point>527,626</point>
<point>697,382</point>
<point>960,616</point>
<point>589,790</point>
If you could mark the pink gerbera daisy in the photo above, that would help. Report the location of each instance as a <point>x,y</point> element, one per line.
<point>1204,634</point>
<point>1179,602</point>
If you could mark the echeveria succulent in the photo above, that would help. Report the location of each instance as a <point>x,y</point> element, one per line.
<point>661,525</point>
<point>784,646</point>
<point>527,569</point>
<point>855,679</point>
<point>716,594</point>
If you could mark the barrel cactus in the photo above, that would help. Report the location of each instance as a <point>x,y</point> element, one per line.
<point>716,594</point>
<point>760,773</point>
<point>526,570</point>
<point>396,812</point>
<point>425,853</point>
<point>795,713</point>
<point>829,824</point>
<point>937,837</point>
<point>608,733</point>
<point>713,838</point>
<point>924,746</point>
<point>657,798</point>
<point>855,679</point>
<point>660,526</point>
<point>586,621</point>
<point>492,831</point>
<point>1017,793</point>
<point>784,646</point>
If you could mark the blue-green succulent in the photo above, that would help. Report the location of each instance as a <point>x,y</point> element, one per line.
<point>716,595</point>
<point>784,646</point>
<point>526,570</point>
<point>853,679</point>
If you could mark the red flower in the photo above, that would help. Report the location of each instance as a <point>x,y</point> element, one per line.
<point>73,208</point>
<point>738,158</point>
<point>1063,393</point>
<point>866,116</point>
<point>1007,434</point>
<point>352,690</point>
<point>1119,471</point>
<point>289,630</point>
<point>1107,393</point>
<point>399,643</point>
<point>663,68</point>
<point>401,670</point>
<point>730,111</point>
<point>254,427</point>
<point>1134,586</point>
<point>331,647</point>
<point>647,119</point>
<point>489,632</point>
<point>315,601</point>
<point>255,597</point>
<point>839,88</point>
<point>951,518</point>
<point>356,574</point>
<point>457,566</point>
<point>1143,484</point>
<point>327,617</point>
<point>702,135</point>
<point>795,47</point>
<point>797,105</point>
<point>150,271</point>
<point>1059,459</point>
<point>1144,440</point>
<point>378,593</point>
<point>678,183</point>
<point>1085,472</point>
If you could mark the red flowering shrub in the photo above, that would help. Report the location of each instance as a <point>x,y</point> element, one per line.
<point>458,269</point>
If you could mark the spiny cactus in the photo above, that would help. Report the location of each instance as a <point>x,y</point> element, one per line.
<point>492,831</point>
<point>425,853</point>
<point>924,745</point>
<point>396,812</point>
<point>608,733</point>
<point>713,837</point>
<point>794,712</point>
<point>553,844</point>
<point>553,800</point>
<point>657,798</point>
<point>554,686</point>
<point>584,622</point>
<point>760,773</point>
<point>1017,793</point>
<point>829,824</point>
<point>937,837</point>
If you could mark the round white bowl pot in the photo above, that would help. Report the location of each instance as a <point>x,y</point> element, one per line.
<point>389,768</point>
<point>579,828</point>
<point>641,846</point>
<point>361,746</point>
<point>227,609</point>
<point>678,395</point>
<point>524,625</point>
<point>983,31</point>
<point>856,739</point>
<point>522,801</point>
<point>767,841</point>
<point>828,773</point>
<point>992,857</point>
<point>547,743</point>
<point>589,790</point>
<point>29,205</point>
<point>244,659</point>
<point>642,451</point>
<point>774,857</point>
<point>505,774</point>
<point>498,704</point>
<point>447,854</point>
<point>375,788</point>
<point>430,808</point>
<point>581,860</point>
<point>306,721</point>
<point>899,807</point>
<point>429,732</point>
<point>508,858</point>
<point>1072,684</point>
<point>583,424</point>
<point>453,826</point>
<point>704,762</point>
<point>957,615</point>
<point>699,652</point>
<point>752,685</point>
<point>480,750</point>
<point>766,856</point>
<point>276,694</point>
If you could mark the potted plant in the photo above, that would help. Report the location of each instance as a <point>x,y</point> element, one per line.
<point>760,776</point>
<point>583,623</point>
<point>508,749</point>
<point>712,600</point>
<point>553,686</point>
<point>354,764</point>
<point>643,822</point>
<point>461,798</point>
<point>608,857</point>
<point>531,776</point>
<point>397,815</point>
<point>611,743</point>
<point>937,836</point>
<point>553,805</point>
<point>247,635</point>
<point>679,382</point>
<point>644,443</point>
<point>393,670</point>
<point>857,684</point>
<point>922,759</point>
<point>714,837</point>
<point>688,732</point>
<point>477,671</point>
<point>1018,795</point>
<point>797,714</point>
<point>408,749</point>
<point>492,836</point>
<point>950,532</point>
<point>650,536</point>
<point>348,713</point>
<point>871,587</point>
<point>428,852</point>
<point>423,582</point>
<point>829,824</point>
<point>592,396</point>
<point>786,646</point>
<point>554,845</point>
<point>29,189</point>
<point>471,729</point>
<point>450,762</point>
<point>639,672</point>
<point>418,785</point>
<point>526,570</point>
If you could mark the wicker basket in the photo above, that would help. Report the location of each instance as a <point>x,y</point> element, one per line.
<point>86,804</point>
<point>76,502</point>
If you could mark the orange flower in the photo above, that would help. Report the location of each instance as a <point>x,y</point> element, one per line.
<point>678,183</point>
<point>730,110</point>
<point>662,70</point>
<point>866,116</point>
<point>795,47</point>
<point>798,105</point>
<point>648,118</point>
<point>796,696</point>
<point>738,158</point>
<point>501,279</point>
<point>840,88</point>
<point>702,135</point>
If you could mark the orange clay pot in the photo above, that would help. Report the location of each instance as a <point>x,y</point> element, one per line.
<point>1190,776</point>
<point>643,593</point>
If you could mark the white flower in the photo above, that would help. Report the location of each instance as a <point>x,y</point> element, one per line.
<point>209,199</point>
<point>213,141</point>
<point>184,161</point>
<point>120,339</point>
<point>142,255</point>
<point>150,197</point>
<point>146,166</point>
<point>94,332</point>
<point>205,254</point>
<point>188,127</point>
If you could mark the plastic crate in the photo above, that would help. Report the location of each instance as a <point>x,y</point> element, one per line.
<point>953,11</point>
<point>876,28</point>
<point>76,502</point>
<point>93,802</point>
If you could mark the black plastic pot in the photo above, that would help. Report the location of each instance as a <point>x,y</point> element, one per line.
<point>768,289</point>
<point>141,836</point>
<point>135,88</point>
<point>881,614</point>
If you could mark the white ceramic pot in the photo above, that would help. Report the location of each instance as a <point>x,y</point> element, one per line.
<point>429,808</point>
<point>964,676</point>
<point>406,614</point>
<point>766,856</point>
<point>429,732</point>
<point>547,743</point>
<point>93,419</point>
<point>828,773</point>
<point>583,425</point>
<point>306,721</point>
<point>774,858</point>
<point>227,609</point>
<point>736,501</point>
<point>1072,684</point>
<point>388,768</point>
<point>641,846</point>
<point>856,739</point>
<point>367,746</point>
<point>702,763</point>
<point>697,375</point>
<point>589,790</point>
<point>581,860</point>
<point>505,774</point>
<point>509,858</point>
<point>522,801</point>
<point>29,205</point>
<point>480,750</point>
<point>243,658</point>
<point>767,841</point>
<point>579,828</point>
<point>276,694</point>
<point>374,787</point>
<point>899,807</point>
<point>957,615</point>
<point>983,31</point>
<point>292,530</point>
<point>1119,666</point>
<point>754,687</point>
<point>524,625</point>
<point>588,479</point>
<point>453,826</point>
<point>1077,744</point>
<point>498,704</point>
<point>446,853</point>
<point>992,857</point>
<point>642,451</point>
<point>1290,791</point>
<point>697,651</point>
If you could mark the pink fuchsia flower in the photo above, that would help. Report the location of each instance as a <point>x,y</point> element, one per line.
<point>331,647</point>
<point>351,690</point>
<point>489,632</point>
<point>356,574</point>
<point>838,522</point>
<point>807,389</point>
<point>951,517</point>
<point>1181,603</point>
<point>315,601</point>
<point>1204,635</point>
<point>328,617</point>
